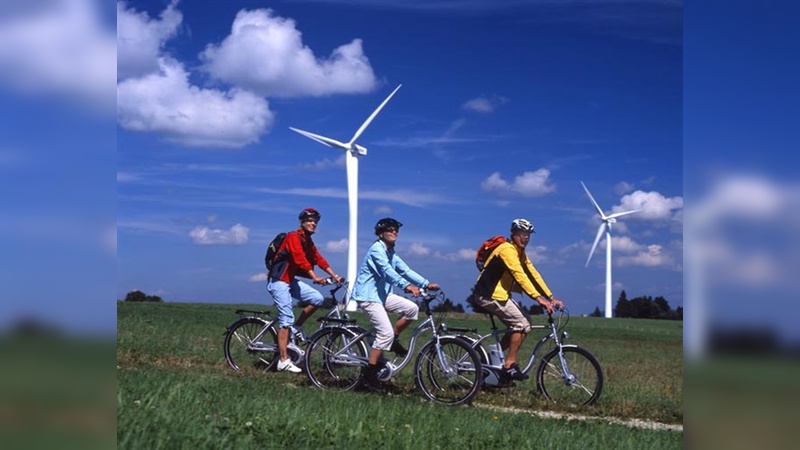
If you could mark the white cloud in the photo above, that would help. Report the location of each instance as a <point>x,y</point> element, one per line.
<point>323,164</point>
<point>744,197</point>
<point>237,235</point>
<point>59,47</point>
<point>339,246</point>
<point>652,256</point>
<point>464,254</point>
<point>743,234</point>
<point>418,249</point>
<point>404,196</point>
<point>623,244</point>
<point>123,177</point>
<point>383,210</point>
<point>265,53</point>
<point>529,184</point>
<point>484,104</point>
<point>166,103</point>
<point>258,277</point>
<point>141,39</point>
<point>537,254</point>
<point>653,205</point>
<point>623,188</point>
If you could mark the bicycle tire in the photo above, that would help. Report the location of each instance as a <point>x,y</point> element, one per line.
<point>584,385</point>
<point>241,352</point>
<point>324,371</point>
<point>443,384</point>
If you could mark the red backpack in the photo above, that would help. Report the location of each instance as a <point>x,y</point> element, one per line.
<point>486,249</point>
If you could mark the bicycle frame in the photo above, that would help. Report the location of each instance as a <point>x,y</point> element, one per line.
<point>256,344</point>
<point>491,375</point>
<point>345,357</point>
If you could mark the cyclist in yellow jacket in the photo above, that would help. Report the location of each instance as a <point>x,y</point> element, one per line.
<point>508,270</point>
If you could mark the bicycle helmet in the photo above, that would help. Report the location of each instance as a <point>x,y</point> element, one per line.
<point>521,225</point>
<point>309,213</point>
<point>386,222</point>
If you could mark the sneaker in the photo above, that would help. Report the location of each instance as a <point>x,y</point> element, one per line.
<point>371,382</point>
<point>288,366</point>
<point>398,348</point>
<point>299,334</point>
<point>513,373</point>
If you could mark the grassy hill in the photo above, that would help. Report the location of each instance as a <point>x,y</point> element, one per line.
<point>175,390</point>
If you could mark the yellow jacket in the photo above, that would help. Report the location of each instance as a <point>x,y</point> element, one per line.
<point>508,270</point>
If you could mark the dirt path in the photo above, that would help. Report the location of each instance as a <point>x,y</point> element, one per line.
<point>634,423</point>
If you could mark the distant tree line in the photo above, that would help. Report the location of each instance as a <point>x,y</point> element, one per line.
<point>645,307</point>
<point>139,296</point>
<point>448,306</point>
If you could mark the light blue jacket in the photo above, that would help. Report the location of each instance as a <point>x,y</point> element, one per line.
<point>381,270</point>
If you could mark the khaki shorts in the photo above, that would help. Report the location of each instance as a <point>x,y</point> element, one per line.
<point>508,311</point>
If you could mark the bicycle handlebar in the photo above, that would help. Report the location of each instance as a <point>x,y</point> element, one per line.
<point>331,280</point>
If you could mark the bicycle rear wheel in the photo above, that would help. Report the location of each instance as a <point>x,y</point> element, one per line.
<point>455,378</point>
<point>243,353</point>
<point>579,381</point>
<point>329,370</point>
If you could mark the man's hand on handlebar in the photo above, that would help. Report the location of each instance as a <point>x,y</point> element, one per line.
<point>412,289</point>
<point>432,287</point>
<point>322,281</point>
<point>550,306</point>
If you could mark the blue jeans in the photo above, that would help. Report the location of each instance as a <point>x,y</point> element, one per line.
<point>283,293</point>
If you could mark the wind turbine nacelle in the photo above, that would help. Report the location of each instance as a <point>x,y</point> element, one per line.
<point>357,149</point>
<point>612,220</point>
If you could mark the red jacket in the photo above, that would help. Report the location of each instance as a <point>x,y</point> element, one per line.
<point>296,256</point>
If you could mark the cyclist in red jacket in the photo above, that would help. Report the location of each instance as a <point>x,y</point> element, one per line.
<point>296,257</point>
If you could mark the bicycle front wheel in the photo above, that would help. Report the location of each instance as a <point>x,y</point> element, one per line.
<point>245,353</point>
<point>329,367</point>
<point>449,372</point>
<point>577,381</point>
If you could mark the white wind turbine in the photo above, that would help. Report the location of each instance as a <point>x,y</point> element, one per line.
<point>352,152</point>
<point>606,224</point>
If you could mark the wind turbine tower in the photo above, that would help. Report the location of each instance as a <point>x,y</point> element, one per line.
<point>352,152</point>
<point>607,221</point>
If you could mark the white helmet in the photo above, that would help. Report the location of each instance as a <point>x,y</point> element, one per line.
<point>521,225</point>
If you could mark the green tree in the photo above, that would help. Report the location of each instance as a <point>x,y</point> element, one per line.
<point>596,312</point>
<point>136,296</point>
<point>536,309</point>
<point>663,306</point>
<point>139,296</point>
<point>623,308</point>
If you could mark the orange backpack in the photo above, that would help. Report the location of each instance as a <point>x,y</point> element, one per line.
<point>486,249</point>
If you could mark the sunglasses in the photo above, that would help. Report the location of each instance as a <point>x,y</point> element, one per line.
<point>391,230</point>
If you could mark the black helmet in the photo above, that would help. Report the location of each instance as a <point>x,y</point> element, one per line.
<point>521,225</point>
<point>309,213</point>
<point>386,222</point>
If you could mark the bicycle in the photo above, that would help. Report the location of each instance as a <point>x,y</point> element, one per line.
<point>447,369</point>
<point>251,341</point>
<point>567,374</point>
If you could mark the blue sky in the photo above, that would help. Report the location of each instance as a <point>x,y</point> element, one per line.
<point>505,107</point>
<point>158,156</point>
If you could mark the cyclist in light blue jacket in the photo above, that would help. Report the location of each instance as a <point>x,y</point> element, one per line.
<point>381,270</point>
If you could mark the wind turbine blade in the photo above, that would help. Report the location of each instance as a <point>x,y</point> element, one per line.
<point>321,139</point>
<point>596,206</point>
<point>620,214</point>
<point>374,113</point>
<point>596,240</point>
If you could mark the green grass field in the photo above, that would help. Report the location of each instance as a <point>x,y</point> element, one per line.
<point>176,391</point>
